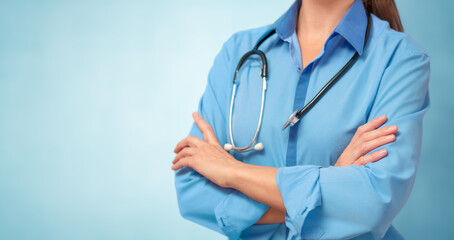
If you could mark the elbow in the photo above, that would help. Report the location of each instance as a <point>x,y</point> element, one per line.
<point>387,195</point>
<point>378,218</point>
<point>370,198</point>
<point>184,207</point>
<point>197,197</point>
<point>383,208</point>
<point>183,183</point>
<point>185,213</point>
<point>195,207</point>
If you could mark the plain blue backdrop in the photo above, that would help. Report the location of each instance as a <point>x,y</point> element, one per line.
<point>94,95</point>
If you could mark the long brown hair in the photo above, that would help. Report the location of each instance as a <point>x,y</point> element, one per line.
<point>386,10</point>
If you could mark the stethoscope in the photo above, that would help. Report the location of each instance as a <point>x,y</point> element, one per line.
<point>298,113</point>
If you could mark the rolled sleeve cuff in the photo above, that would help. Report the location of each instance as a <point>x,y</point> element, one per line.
<point>300,190</point>
<point>237,212</point>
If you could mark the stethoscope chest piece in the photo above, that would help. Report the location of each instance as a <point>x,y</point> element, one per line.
<point>292,120</point>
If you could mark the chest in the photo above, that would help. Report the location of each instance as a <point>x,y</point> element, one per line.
<point>324,131</point>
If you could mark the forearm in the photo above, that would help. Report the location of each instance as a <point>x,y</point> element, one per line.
<point>257,182</point>
<point>272,216</point>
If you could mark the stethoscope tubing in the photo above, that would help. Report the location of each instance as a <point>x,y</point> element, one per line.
<point>317,97</point>
<point>297,114</point>
<point>248,147</point>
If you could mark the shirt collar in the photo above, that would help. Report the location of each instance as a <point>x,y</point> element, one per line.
<point>352,26</point>
<point>286,24</point>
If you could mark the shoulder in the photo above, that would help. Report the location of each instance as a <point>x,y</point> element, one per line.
<point>238,44</point>
<point>395,56</point>
<point>243,41</point>
<point>391,42</point>
<point>401,73</point>
<point>223,69</point>
<point>403,66</point>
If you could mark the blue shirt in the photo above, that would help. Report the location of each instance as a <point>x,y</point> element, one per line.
<point>390,77</point>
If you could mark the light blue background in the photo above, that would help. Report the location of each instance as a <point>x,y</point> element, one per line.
<point>94,95</point>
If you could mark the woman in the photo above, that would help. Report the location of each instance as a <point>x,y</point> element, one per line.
<point>338,173</point>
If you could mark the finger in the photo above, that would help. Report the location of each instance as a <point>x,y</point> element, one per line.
<point>373,157</point>
<point>378,142</point>
<point>188,151</point>
<point>383,131</point>
<point>189,141</point>
<point>185,162</point>
<point>372,124</point>
<point>205,128</point>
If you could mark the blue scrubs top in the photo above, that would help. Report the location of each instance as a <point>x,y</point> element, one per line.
<point>390,77</point>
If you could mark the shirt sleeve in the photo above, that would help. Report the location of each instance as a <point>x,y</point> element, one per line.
<point>224,210</point>
<point>345,202</point>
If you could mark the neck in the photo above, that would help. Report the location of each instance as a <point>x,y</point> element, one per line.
<point>318,18</point>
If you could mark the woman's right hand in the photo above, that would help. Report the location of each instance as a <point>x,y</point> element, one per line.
<point>367,138</point>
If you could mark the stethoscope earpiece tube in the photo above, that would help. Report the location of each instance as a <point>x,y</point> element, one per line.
<point>262,56</point>
<point>258,146</point>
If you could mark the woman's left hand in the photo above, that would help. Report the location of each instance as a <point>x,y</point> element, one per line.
<point>206,157</point>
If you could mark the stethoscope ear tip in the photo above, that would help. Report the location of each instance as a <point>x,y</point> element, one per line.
<point>228,147</point>
<point>258,147</point>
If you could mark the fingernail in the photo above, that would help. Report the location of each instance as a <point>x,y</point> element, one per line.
<point>392,128</point>
<point>391,137</point>
<point>383,151</point>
